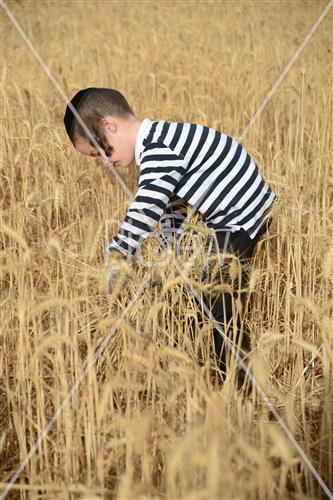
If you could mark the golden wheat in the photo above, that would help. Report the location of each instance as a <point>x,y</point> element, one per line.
<point>152,419</point>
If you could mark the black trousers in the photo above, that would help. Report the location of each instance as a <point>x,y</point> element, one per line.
<point>226,305</point>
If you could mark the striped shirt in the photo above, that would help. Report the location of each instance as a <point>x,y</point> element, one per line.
<point>184,164</point>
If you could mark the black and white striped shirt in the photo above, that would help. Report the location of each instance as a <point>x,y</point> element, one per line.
<point>185,164</point>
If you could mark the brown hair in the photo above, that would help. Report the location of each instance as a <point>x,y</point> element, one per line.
<point>98,103</point>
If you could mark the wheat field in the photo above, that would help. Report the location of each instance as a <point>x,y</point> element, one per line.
<point>152,420</point>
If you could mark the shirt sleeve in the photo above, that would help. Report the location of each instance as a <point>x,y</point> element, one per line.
<point>161,171</point>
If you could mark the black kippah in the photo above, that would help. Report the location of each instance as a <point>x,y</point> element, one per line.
<point>69,118</point>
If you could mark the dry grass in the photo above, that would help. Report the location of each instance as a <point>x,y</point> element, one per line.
<point>151,420</point>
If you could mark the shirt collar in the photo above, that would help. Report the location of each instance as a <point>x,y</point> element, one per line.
<point>141,135</point>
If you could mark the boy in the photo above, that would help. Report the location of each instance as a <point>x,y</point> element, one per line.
<point>180,164</point>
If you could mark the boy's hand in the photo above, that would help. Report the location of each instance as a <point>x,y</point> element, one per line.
<point>156,278</point>
<point>115,265</point>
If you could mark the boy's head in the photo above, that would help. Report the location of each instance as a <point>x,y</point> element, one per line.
<point>109,118</point>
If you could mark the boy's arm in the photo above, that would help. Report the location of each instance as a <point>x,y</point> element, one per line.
<point>161,171</point>
<point>172,220</point>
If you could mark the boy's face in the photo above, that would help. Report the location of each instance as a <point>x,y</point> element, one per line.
<point>119,138</point>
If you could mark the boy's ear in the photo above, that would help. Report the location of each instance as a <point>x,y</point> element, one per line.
<point>109,123</point>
